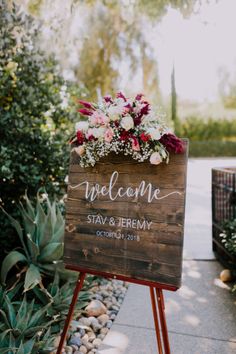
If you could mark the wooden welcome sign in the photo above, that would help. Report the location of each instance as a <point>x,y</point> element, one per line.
<point>126,218</point>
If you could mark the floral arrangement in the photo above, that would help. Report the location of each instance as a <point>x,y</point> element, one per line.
<point>123,125</point>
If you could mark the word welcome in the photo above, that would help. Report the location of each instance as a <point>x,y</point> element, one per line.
<point>92,192</point>
<point>138,224</point>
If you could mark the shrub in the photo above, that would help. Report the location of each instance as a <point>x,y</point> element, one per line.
<point>197,129</point>
<point>34,118</point>
<point>212,148</point>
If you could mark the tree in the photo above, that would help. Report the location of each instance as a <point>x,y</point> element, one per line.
<point>173,98</point>
<point>35,118</point>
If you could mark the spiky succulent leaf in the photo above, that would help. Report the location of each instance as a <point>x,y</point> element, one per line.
<point>32,277</point>
<point>9,261</point>
<point>51,252</point>
<point>29,224</point>
<point>22,314</point>
<point>18,229</point>
<point>33,248</point>
<point>46,236</point>
<point>11,312</point>
<point>30,208</point>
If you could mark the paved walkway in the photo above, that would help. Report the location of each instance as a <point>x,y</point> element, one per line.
<point>201,316</point>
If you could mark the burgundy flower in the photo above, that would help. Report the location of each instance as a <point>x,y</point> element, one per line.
<point>80,137</point>
<point>125,135</point>
<point>172,143</point>
<point>145,137</point>
<point>137,120</point>
<point>91,137</point>
<point>128,109</point>
<point>139,97</point>
<point>120,95</point>
<point>108,99</point>
<point>85,112</point>
<point>86,104</point>
<point>145,109</point>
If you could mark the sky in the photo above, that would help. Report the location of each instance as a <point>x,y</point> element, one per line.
<point>198,47</point>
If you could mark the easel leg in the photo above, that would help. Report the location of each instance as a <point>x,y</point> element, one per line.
<point>78,287</point>
<point>161,308</point>
<point>156,320</point>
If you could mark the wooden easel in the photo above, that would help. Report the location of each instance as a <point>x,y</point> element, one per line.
<point>157,301</point>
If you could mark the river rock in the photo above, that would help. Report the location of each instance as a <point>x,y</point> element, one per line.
<point>95,308</point>
<point>83,349</point>
<point>97,342</point>
<point>103,319</point>
<point>75,341</point>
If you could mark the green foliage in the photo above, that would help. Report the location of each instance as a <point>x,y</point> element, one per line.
<point>208,138</point>
<point>197,129</point>
<point>212,148</point>
<point>24,327</point>
<point>35,118</point>
<point>60,296</point>
<point>41,238</point>
<point>229,236</point>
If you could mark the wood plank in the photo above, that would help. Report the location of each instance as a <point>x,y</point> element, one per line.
<point>134,235</point>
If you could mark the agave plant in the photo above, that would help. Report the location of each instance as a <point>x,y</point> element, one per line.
<point>23,325</point>
<point>60,297</point>
<point>41,238</point>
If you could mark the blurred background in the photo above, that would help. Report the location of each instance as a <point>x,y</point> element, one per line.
<point>179,53</point>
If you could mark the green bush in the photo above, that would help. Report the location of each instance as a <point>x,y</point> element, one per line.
<point>197,129</point>
<point>34,118</point>
<point>212,149</point>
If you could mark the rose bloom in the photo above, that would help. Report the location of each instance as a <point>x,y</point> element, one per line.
<point>109,133</point>
<point>98,118</point>
<point>127,122</point>
<point>80,150</point>
<point>155,158</point>
<point>115,111</point>
<point>154,133</point>
<point>83,126</point>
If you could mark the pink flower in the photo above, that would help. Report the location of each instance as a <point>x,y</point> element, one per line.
<point>99,118</point>
<point>135,144</point>
<point>80,150</point>
<point>155,158</point>
<point>109,133</point>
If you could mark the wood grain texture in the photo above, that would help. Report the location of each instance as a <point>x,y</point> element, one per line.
<point>128,236</point>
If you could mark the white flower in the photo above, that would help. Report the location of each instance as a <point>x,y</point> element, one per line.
<point>155,158</point>
<point>115,111</point>
<point>127,122</point>
<point>149,119</point>
<point>97,132</point>
<point>154,133</point>
<point>83,126</point>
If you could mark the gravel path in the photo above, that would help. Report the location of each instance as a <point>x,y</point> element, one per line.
<point>89,330</point>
